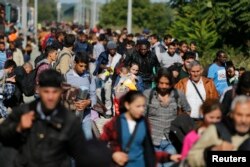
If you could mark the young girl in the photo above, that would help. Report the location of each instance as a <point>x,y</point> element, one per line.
<point>211,111</point>
<point>119,131</point>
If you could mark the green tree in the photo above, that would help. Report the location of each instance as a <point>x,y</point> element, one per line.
<point>155,16</point>
<point>47,10</point>
<point>231,20</point>
<point>194,24</point>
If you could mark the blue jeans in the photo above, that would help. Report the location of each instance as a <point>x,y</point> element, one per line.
<point>87,124</point>
<point>166,146</point>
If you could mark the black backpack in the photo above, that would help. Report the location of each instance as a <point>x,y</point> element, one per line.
<point>28,83</point>
<point>180,126</point>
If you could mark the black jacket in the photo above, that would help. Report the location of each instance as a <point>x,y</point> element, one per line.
<point>146,65</point>
<point>227,101</point>
<point>47,143</point>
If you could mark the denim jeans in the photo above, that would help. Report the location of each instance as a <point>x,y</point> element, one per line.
<point>166,146</point>
<point>87,124</point>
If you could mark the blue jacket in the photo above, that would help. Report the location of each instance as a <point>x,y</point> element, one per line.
<point>82,47</point>
<point>102,59</point>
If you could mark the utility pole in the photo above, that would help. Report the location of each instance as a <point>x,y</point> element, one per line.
<point>24,21</point>
<point>36,19</point>
<point>129,16</point>
<point>59,6</point>
<point>93,15</point>
<point>84,11</point>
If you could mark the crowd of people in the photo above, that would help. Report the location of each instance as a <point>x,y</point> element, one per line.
<point>165,107</point>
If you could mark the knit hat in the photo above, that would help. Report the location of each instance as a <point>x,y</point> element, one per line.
<point>111,45</point>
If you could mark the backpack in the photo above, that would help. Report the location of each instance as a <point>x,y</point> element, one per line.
<point>28,83</point>
<point>59,60</point>
<point>180,126</point>
<point>39,58</point>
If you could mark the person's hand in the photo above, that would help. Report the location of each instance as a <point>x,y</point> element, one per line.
<point>175,157</point>
<point>11,79</point>
<point>82,104</point>
<point>26,121</point>
<point>120,158</point>
<point>225,146</point>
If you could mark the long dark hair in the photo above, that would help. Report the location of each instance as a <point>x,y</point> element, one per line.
<point>129,98</point>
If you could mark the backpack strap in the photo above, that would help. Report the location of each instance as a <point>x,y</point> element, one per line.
<point>223,132</point>
<point>59,59</point>
<point>131,139</point>
<point>151,94</point>
<point>176,97</point>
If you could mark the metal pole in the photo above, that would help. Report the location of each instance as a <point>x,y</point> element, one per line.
<point>24,21</point>
<point>129,17</point>
<point>94,12</point>
<point>36,19</point>
<point>84,12</point>
<point>58,11</point>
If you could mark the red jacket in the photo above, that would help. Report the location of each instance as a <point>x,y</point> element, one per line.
<point>112,135</point>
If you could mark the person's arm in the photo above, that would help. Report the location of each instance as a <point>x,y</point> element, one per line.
<point>180,86</point>
<point>211,72</point>
<point>64,64</point>
<point>226,102</point>
<point>158,53</point>
<point>140,85</point>
<point>214,92</point>
<point>183,102</point>
<point>93,92</point>
<point>10,129</point>
<point>98,64</point>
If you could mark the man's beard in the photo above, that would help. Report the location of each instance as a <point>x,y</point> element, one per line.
<point>170,54</point>
<point>163,91</point>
